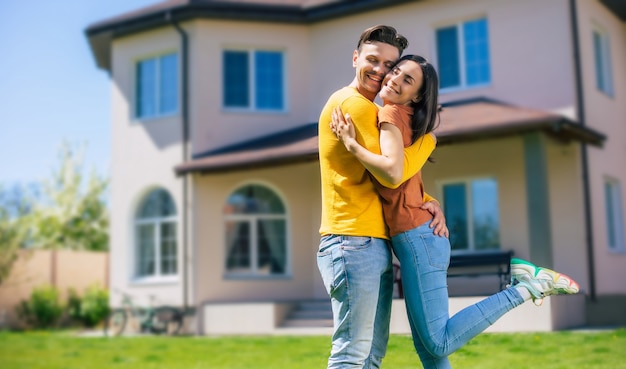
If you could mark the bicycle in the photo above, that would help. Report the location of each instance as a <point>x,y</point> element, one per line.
<point>155,320</point>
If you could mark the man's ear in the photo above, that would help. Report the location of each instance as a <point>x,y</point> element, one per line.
<point>355,56</point>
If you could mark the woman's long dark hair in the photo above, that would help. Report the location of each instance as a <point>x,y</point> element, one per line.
<point>426,110</point>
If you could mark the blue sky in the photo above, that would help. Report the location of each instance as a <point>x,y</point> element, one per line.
<point>50,88</point>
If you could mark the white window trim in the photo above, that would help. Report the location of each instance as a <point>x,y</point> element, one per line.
<point>252,74</point>
<point>157,115</point>
<point>463,86</point>
<point>157,277</point>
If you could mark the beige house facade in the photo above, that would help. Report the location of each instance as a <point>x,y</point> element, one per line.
<point>215,184</point>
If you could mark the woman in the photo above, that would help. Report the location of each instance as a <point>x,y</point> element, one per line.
<point>409,94</point>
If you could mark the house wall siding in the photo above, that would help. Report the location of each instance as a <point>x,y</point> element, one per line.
<point>530,65</point>
<point>213,126</point>
<point>143,157</point>
<point>298,186</point>
<point>606,114</point>
<point>567,214</point>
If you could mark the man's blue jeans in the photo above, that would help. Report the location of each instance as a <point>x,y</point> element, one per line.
<point>424,258</point>
<point>358,277</point>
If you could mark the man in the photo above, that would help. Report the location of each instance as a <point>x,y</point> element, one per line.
<point>354,257</point>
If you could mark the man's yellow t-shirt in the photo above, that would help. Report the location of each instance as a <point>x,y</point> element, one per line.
<point>350,203</point>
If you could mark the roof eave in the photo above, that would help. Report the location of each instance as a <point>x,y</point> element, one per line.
<point>618,7</point>
<point>262,163</point>
<point>100,45</point>
<point>101,34</point>
<point>560,129</point>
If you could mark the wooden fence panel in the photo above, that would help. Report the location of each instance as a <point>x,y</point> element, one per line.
<point>63,269</point>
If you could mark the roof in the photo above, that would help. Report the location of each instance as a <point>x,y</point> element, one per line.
<point>101,34</point>
<point>483,118</point>
<point>618,7</point>
<point>293,146</point>
<point>461,121</point>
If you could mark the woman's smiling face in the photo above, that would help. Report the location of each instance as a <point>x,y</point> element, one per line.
<point>402,84</point>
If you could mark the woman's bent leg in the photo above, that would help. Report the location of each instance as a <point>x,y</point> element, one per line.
<point>424,259</point>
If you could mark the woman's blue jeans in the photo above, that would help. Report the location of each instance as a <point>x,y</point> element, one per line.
<point>357,274</point>
<point>424,258</point>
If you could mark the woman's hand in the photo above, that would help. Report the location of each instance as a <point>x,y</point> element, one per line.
<point>342,126</point>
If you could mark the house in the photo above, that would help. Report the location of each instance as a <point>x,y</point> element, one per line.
<point>215,194</point>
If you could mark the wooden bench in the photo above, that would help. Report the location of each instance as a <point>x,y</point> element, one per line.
<point>496,263</point>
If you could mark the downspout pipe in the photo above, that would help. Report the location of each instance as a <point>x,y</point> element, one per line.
<point>580,104</point>
<point>185,149</point>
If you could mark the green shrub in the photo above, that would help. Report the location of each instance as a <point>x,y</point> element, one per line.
<point>73,305</point>
<point>95,305</point>
<point>42,309</point>
<point>91,308</point>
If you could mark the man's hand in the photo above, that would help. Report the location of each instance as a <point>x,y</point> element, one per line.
<point>439,221</point>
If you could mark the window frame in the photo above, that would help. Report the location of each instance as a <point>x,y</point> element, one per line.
<point>158,87</point>
<point>252,80</point>
<point>156,223</point>
<point>252,219</point>
<point>462,57</point>
<point>604,80</point>
<point>614,216</point>
<point>469,211</point>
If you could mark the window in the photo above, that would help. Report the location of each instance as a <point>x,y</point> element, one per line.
<point>253,80</point>
<point>155,227</point>
<point>463,54</point>
<point>602,56</point>
<point>614,215</point>
<point>157,86</point>
<point>471,211</point>
<point>256,226</point>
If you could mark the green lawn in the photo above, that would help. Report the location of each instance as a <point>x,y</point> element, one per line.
<point>66,350</point>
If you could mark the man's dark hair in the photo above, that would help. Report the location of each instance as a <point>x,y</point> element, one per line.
<point>385,34</point>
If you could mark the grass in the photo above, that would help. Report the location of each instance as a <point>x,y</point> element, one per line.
<point>66,350</point>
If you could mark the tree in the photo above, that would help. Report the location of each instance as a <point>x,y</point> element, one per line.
<point>61,212</point>
<point>70,214</point>
<point>14,206</point>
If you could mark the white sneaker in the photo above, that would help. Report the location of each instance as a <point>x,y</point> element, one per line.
<point>541,282</point>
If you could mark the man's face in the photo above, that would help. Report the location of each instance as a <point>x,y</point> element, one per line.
<point>372,64</point>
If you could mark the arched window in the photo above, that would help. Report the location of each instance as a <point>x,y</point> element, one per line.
<point>256,227</point>
<point>155,232</point>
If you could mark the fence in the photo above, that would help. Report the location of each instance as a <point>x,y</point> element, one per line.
<point>63,269</point>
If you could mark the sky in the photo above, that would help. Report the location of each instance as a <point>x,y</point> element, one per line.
<point>51,90</point>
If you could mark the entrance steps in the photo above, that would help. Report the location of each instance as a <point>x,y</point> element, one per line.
<point>310,314</point>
